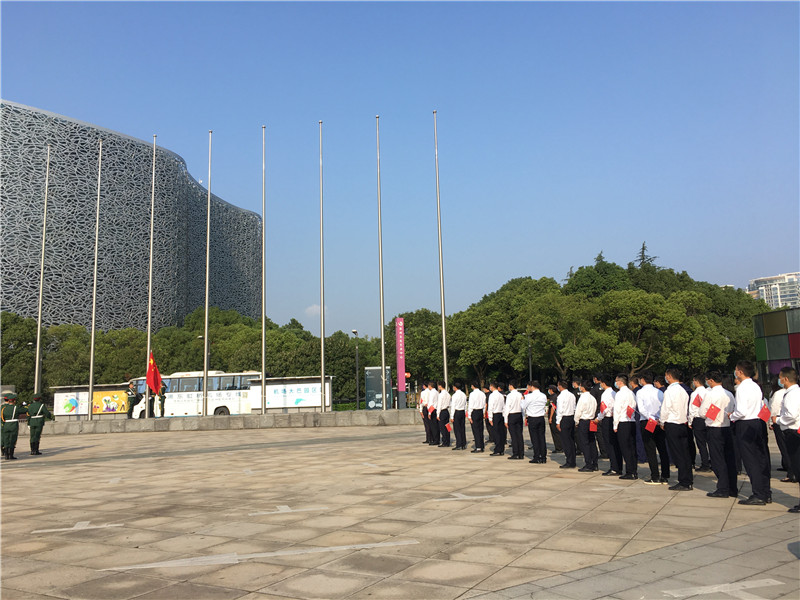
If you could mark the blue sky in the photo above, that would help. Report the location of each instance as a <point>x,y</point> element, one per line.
<point>564,129</point>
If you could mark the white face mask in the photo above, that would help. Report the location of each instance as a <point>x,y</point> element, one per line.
<point>616,384</point>
<point>780,383</point>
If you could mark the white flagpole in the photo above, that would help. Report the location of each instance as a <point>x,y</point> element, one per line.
<point>37,367</point>
<point>321,278</point>
<point>94,285</point>
<point>150,282</point>
<point>208,255</point>
<point>380,264</point>
<point>263,271</point>
<point>441,266</point>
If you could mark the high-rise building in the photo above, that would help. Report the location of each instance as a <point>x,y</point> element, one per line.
<point>778,291</point>
<point>179,247</point>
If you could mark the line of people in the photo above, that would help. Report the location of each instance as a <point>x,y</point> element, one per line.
<point>10,413</point>
<point>675,421</point>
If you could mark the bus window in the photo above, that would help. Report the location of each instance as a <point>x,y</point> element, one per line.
<point>227,383</point>
<point>213,384</point>
<point>189,384</point>
<point>140,385</point>
<point>168,385</point>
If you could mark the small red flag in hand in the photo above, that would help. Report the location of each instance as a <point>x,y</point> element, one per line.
<point>697,401</point>
<point>764,414</point>
<point>712,412</point>
<point>603,407</point>
<point>629,412</point>
<point>449,427</point>
<point>592,426</point>
<point>651,425</point>
<point>153,376</point>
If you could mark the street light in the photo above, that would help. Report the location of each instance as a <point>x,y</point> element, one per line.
<point>355,333</point>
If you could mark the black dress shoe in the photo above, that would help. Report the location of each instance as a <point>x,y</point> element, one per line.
<point>794,509</point>
<point>703,469</point>
<point>497,454</point>
<point>717,494</point>
<point>753,501</point>
<point>456,448</point>
<point>585,469</point>
<point>629,476</point>
<point>680,488</point>
<point>567,467</point>
<point>610,472</point>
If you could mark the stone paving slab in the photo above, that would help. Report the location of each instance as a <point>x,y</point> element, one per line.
<point>313,512</point>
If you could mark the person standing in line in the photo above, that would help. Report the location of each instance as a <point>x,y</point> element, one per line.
<point>423,411</point>
<point>605,420</point>
<point>476,406</point>
<point>162,398</point>
<point>37,413</point>
<point>648,402</point>
<point>6,400</point>
<point>789,421</point>
<point>625,425</point>
<point>496,420</point>
<point>9,416</point>
<point>533,407</point>
<point>585,414</point>
<point>552,394</point>
<point>698,436</point>
<point>459,403</point>
<point>512,414</point>
<point>576,391</point>
<point>775,406</point>
<point>597,392</point>
<point>487,420</point>
<point>443,413</point>
<point>715,409</point>
<point>565,423</point>
<point>134,397</point>
<point>433,415</point>
<point>641,454</point>
<point>674,417</point>
<point>749,431</point>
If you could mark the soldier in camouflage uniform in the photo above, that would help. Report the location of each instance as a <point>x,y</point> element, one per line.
<point>37,413</point>
<point>9,415</point>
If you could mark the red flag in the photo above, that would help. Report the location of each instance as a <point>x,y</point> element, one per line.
<point>651,425</point>
<point>448,427</point>
<point>630,412</point>
<point>153,376</point>
<point>764,414</point>
<point>592,426</point>
<point>603,407</point>
<point>712,412</point>
<point>697,401</point>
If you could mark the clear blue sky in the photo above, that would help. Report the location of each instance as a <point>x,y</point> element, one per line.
<point>564,129</point>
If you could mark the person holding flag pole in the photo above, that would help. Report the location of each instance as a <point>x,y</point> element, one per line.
<point>154,384</point>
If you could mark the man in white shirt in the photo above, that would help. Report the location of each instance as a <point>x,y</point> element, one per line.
<point>625,425</point>
<point>458,419</point>
<point>750,434</point>
<point>775,405</point>
<point>698,436</point>
<point>512,413</point>
<point>476,405</point>
<point>648,402</point>
<point>496,406</point>
<point>720,437</point>
<point>565,423</point>
<point>674,421</point>
<point>423,411</point>
<point>443,413</point>
<point>585,414</point>
<point>605,421</point>
<point>789,420</point>
<point>433,418</point>
<point>534,406</point>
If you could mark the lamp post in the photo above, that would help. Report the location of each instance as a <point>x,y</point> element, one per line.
<point>358,392</point>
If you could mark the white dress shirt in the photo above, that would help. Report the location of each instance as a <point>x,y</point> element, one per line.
<point>722,399</point>
<point>623,399</point>
<point>694,410</point>
<point>496,403</point>
<point>648,402</point>
<point>459,400</point>
<point>534,404</point>
<point>565,405</point>
<point>675,408</point>
<point>790,411</point>
<point>423,400</point>
<point>513,404</point>
<point>749,401</point>
<point>776,403</point>
<point>442,402</point>
<point>477,400</point>
<point>607,398</point>
<point>586,408</point>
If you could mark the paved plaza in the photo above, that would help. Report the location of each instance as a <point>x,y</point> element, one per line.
<point>368,512</point>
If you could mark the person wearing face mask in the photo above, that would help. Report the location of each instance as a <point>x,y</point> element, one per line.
<point>552,394</point>
<point>715,409</point>
<point>673,419</point>
<point>565,423</point>
<point>497,404</point>
<point>699,435</point>
<point>648,401</point>
<point>789,420</point>
<point>625,425</point>
<point>605,419</point>
<point>749,431</point>
<point>775,405</point>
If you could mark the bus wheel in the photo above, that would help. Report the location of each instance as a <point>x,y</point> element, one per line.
<point>222,410</point>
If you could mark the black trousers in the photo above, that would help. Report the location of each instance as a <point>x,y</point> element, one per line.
<point>477,428</point>
<point>536,432</point>
<point>700,434</point>
<point>499,432</point>
<point>433,421</point>
<point>444,421</point>
<point>612,444</point>
<point>568,439</point>
<point>602,445</point>
<point>655,447</point>
<point>588,443</point>
<point>459,428</point>
<point>490,432</point>
<point>426,423</point>
<point>792,439</point>
<point>515,431</point>
<point>723,458</point>
<point>626,435</point>
<point>781,442</point>
<point>737,448</point>
<point>678,442</point>
<point>556,435</point>
<point>641,454</point>
<point>750,434</point>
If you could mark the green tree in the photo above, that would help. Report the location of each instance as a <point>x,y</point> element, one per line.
<point>66,361</point>
<point>18,353</point>
<point>594,281</point>
<point>480,338</point>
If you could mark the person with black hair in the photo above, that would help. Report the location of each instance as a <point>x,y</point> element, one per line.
<point>673,420</point>
<point>648,402</point>
<point>750,434</point>
<point>458,419</point>
<point>512,414</point>
<point>715,409</point>
<point>597,392</point>
<point>551,415</point>
<point>443,413</point>
<point>496,406</point>
<point>605,418</point>
<point>565,423</point>
<point>789,420</point>
<point>775,406</point>
<point>698,435</point>
<point>534,405</point>
<point>585,414</point>
<point>476,405</point>
<point>625,425</point>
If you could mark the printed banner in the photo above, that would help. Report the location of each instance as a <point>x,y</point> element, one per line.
<point>400,336</point>
<point>110,402</point>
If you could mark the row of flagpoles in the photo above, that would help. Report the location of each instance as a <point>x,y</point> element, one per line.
<point>153,377</point>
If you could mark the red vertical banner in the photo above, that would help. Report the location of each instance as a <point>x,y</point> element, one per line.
<point>400,337</point>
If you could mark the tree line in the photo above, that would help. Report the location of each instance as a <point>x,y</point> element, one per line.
<point>603,317</point>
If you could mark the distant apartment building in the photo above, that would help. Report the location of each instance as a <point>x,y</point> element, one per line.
<point>778,291</point>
